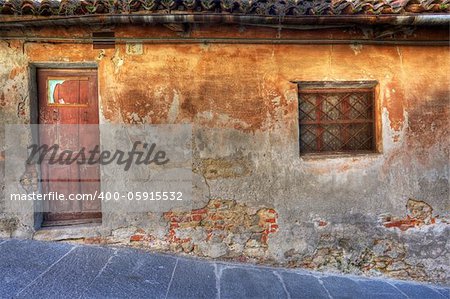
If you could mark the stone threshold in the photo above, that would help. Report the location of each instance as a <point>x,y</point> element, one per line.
<point>68,232</point>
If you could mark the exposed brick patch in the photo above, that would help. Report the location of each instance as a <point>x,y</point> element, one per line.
<point>141,237</point>
<point>222,222</point>
<point>419,213</point>
<point>420,210</point>
<point>374,250</point>
<point>227,229</point>
<point>386,256</point>
<point>321,223</point>
<point>403,224</point>
<point>390,257</point>
<point>267,221</point>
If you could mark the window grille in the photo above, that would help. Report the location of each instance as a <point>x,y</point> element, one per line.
<point>336,119</point>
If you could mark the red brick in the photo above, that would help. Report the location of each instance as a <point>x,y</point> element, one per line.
<point>402,224</point>
<point>322,223</point>
<point>199,211</point>
<point>196,217</point>
<point>136,237</point>
<point>271,220</point>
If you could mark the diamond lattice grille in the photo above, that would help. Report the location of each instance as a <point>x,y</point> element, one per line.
<point>336,121</point>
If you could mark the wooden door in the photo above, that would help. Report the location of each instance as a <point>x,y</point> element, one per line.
<point>68,117</point>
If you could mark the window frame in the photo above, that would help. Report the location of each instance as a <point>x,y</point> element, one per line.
<point>371,86</point>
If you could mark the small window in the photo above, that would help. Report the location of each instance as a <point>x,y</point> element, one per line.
<point>68,91</point>
<point>336,117</point>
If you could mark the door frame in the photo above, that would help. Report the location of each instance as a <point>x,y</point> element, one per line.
<point>34,114</point>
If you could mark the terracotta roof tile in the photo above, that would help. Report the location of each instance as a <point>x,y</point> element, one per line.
<point>248,7</point>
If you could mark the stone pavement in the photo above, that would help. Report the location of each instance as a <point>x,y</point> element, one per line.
<point>32,269</point>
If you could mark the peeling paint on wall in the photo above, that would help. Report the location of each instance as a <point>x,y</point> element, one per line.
<point>117,61</point>
<point>276,207</point>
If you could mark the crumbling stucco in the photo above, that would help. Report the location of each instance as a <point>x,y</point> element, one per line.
<point>344,213</point>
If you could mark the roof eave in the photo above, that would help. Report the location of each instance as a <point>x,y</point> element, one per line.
<point>220,18</point>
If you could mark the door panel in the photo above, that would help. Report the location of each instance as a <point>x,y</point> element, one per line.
<point>68,106</point>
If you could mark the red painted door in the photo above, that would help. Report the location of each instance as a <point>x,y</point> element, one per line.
<point>68,104</point>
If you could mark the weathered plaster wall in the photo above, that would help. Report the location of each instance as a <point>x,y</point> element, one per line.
<point>255,198</point>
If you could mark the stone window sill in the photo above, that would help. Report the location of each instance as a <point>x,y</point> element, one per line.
<point>327,156</point>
